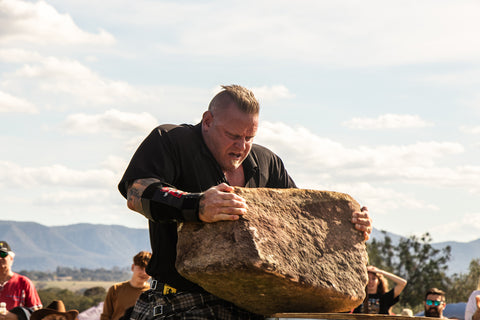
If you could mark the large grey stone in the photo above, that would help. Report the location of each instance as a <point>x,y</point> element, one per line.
<point>295,250</point>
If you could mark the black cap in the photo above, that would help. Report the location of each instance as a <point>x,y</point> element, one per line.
<point>4,246</point>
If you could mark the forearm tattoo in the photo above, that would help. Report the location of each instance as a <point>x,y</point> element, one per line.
<point>135,191</point>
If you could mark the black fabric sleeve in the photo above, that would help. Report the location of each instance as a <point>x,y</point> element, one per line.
<point>279,177</point>
<point>22,313</point>
<point>154,158</point>
<point>162,202</point>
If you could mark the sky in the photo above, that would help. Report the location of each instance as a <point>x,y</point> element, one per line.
<point>377,99</point>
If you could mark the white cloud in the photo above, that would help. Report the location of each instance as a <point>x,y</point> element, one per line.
<point>82,198</point>
<point>15,55</point>
<point>329,33</point>
<point>313,158</point>
<point>470,129</point>
<point>11,104</point>
<point>272,93</point>
<point>388,121</point>
<point>111,121</point>
<point>463,228</point>
<point>72,78</point>
<point>53,175</point>
<point>41,24</point>
<point>115,164</point>
<point>454,78</point>
<point>383,199</point>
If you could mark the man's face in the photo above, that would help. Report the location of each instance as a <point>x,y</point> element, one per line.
<point>139,273</point>
<point>6,264</point>
<point>229,135</point>
<point>434,306</point>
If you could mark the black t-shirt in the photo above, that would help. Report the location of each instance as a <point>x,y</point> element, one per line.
<point>177,155</point>
<point>378,304</point>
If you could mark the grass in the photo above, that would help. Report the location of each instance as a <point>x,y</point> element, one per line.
<point>73,285</point>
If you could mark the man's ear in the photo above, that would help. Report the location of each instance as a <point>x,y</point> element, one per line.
<point>133,265</point>
<point>207,119</point>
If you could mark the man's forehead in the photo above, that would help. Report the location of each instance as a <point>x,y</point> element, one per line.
<point>434,297</point>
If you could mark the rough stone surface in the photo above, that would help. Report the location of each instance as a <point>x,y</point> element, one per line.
<point>295,250</point>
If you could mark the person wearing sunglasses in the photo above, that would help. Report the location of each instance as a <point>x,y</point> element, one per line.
<point>15,290</point>
<point>379,299</point>
<point>434,303</point>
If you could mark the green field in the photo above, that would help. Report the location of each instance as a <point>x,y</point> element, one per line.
<point>73,285</point>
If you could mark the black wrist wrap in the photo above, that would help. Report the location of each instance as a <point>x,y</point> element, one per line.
<point>161,202</point>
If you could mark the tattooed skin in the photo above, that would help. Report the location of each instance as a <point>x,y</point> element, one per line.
<point>135,191</point>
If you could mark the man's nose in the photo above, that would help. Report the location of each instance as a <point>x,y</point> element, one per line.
<point>241,143</point>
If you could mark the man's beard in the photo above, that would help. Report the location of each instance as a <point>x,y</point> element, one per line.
<point>432,312</point>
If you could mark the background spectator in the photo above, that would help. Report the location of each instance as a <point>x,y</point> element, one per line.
<point>15,290</point>
<point>379,299</point>
<point>473,304</point>
<point>434,303</point>
<point>123,295</point>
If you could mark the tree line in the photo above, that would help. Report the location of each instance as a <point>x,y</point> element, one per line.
<point>424,267</point>
<point>412,258</point>
<point>79,300</point>
<point>79,274</point>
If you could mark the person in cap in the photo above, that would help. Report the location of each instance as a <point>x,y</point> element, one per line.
<point>15,290</point>
<point>123,295</point>
<point>54,311</point>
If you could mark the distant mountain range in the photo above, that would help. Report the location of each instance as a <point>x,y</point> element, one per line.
<point>42,248</point>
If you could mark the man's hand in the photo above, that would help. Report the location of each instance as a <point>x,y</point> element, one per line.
<point>362,222</point>
<point>219,203</point>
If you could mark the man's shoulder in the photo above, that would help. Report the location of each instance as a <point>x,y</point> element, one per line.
<point>21,280</point>
<point>263,155</point>
<point>176,132</point>
<point>119,285</point>
<point>262,151</point>
<point>171,128</point>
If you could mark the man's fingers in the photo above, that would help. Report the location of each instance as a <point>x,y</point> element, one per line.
<point>224,187</point>
<point>362,221</point>
<point>231,199</point>
<point>218,204</point>
<point>225,213</point>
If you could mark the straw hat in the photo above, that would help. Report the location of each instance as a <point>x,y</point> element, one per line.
<point>56,307</point>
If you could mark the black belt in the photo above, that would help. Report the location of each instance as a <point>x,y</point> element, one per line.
<point>162,287</point>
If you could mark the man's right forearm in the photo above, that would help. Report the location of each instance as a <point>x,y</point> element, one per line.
<point>135,191</point>
<point>160,202</point>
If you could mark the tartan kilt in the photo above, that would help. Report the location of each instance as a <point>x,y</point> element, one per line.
<point>153,305</point>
